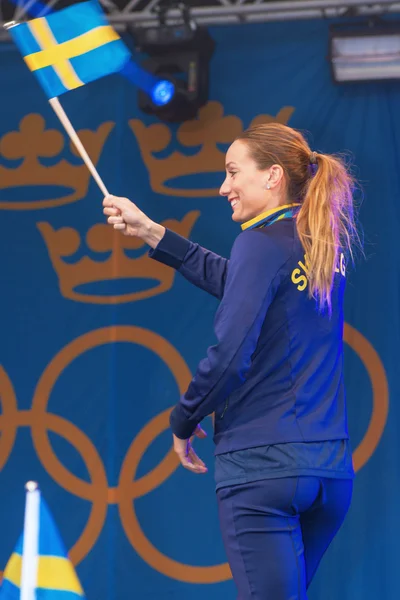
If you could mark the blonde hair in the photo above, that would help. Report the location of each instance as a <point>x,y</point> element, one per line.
<point>325,222</point>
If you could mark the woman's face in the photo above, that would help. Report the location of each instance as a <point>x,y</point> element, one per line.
<point>245,186</point>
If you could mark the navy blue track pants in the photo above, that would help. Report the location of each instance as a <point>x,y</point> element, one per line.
<point>275,532</point>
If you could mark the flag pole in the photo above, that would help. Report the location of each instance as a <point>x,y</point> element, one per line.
<point>31,542</point>
<point>58,109</point>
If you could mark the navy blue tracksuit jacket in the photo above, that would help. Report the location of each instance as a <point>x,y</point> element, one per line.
<point>275,374</point>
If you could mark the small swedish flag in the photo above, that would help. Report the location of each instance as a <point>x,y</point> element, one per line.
<point>70,47</point>
<point>50,573</point>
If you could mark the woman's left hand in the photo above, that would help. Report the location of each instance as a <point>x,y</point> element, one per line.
<point>187,455</point>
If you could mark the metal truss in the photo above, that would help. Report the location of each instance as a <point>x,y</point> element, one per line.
<point>207,12</point>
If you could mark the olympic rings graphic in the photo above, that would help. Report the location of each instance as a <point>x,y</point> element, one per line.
<point>129,488</point>
<point>380,391</point>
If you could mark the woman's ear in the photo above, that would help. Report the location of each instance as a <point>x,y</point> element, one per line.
<point>274,176</point>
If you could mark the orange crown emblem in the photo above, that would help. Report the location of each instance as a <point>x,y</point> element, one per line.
<point>207,131</point>
<point>78,280</point>
<point>33,142</point>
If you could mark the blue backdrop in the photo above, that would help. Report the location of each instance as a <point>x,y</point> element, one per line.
<point>97,341</point>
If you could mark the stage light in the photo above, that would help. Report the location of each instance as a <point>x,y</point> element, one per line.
<point>363,52</point>
<point>163,92</point>
<point>178,58</point>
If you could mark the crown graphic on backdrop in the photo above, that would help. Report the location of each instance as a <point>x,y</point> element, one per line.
<point>110,277</point>
<point>206,132</point>
<point>69,182</point>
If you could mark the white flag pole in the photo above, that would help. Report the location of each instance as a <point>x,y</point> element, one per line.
<point>58,109</point>
<point>30,546</point>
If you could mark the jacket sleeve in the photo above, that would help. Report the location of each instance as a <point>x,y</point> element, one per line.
<point>252,280</point>
<point>201,267</point>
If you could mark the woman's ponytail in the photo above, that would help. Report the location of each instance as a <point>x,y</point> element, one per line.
<point>325,223</point>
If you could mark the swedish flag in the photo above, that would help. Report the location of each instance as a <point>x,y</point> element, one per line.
<point>70,47</point>
<point>54,575</point>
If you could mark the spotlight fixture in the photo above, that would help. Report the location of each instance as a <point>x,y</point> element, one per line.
<point>178,58</point>
<point>365,51</point>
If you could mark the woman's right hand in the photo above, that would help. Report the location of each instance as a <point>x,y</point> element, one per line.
<point>125,216</point>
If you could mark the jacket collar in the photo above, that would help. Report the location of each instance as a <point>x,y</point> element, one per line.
<point>272,215</point>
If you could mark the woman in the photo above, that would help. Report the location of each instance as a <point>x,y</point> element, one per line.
<point>275,377</point>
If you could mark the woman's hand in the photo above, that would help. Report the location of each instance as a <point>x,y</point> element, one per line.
<point>187,455</point>
<point>125,216</point>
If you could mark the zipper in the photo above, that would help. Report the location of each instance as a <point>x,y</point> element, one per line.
<point>225,408</point>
